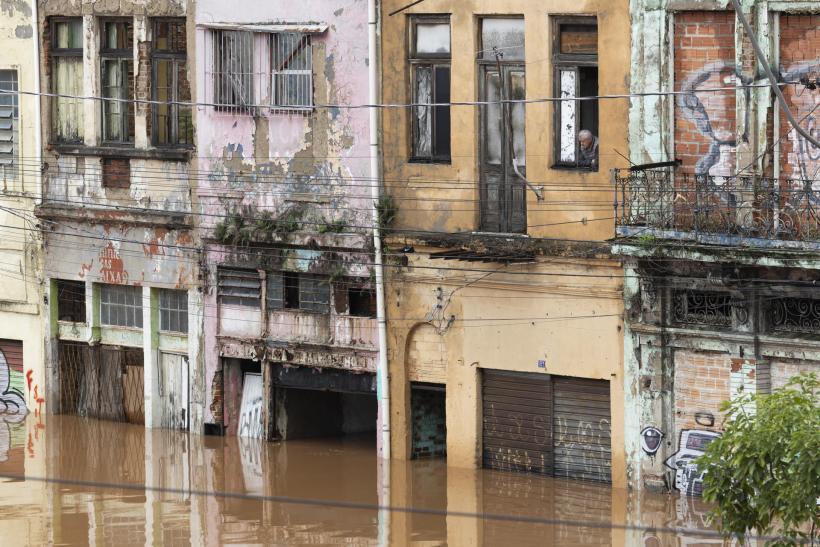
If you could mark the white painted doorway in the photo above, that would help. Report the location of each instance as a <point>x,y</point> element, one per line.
<point>174,391</point>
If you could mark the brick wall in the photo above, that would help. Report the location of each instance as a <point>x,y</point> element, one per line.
<point>782,372</point>
<point>704,55</point>
<point>799,55</point>
<point>701,385</point>
<point>426,356</point>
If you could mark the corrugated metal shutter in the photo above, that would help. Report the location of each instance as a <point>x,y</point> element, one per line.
<point>517,422</point>
<point>582,428</point>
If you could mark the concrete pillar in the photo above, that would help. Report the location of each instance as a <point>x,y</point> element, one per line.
<point>91,80</point>
<point>141,113</point>
<point>51,356</point>
<point>150,348</point>
<point>92,312</point>
<point>196,361</point>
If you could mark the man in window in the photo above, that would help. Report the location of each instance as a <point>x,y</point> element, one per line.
<point>588,150</point>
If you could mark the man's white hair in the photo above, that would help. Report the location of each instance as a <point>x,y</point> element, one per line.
<point>585,133</point>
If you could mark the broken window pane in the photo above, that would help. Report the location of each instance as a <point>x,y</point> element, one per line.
<point>430,80</point>
<point>233,69</point>
<point>505,34</point>
<point>9,130</point>
<point>362,302</point>
<point>67,80</point>
<point>292,70</point>
<point>433,38</point>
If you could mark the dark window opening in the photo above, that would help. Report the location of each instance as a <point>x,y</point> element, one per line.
<point>298,291</point>
<point>361,302</point>
<point>291,301</point>
<point>575,58</point>
<point>116,173</point>
<point>430,77</point>
<point>71,301</point>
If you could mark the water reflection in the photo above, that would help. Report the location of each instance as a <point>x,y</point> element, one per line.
<point>206,491</point>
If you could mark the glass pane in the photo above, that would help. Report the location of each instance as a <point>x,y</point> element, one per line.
<point>424,122</point>
<point>70,34</point>
<point>163,84</point>
<point>442,113</point>
<point>433,38</point>
<point>117,35</point>
<point>169,36</point>
<point>68,115</point>
<point>517,92</point>
<point>579,39</point>
<point>505,34</point>
<point>493,120</point>
<point>567,130</point>
<point>185,126</point>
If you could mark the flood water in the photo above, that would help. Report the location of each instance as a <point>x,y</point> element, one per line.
<point>75,481</point>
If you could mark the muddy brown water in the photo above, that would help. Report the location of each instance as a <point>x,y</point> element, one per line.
<point>75,481</point>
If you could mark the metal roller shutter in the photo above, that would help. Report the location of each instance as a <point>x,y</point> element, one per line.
<point>582,429</point>
<point>517,422</point>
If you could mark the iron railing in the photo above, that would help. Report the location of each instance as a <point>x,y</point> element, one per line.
<point>745,206</point>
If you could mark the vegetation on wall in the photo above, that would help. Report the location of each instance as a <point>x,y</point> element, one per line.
<point>387,209</point>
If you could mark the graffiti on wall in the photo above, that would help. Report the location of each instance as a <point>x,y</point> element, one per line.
<point>693,443</point>
<point>250,415</point>
<point>651,438</point>
<point>11,397</point>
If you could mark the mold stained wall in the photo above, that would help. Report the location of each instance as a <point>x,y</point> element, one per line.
<point>21,289</point>
<point>274,161</point>
<point>489,330</point>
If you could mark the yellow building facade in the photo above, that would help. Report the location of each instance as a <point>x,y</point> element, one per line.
<point>504,305</point>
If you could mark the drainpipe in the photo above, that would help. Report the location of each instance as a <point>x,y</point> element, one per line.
<point>382,383</point>
<point>382,380</point>
<point>38,134</point>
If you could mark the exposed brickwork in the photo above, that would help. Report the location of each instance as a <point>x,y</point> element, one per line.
<point>782,372</point>
<point>116,173</point>
<point>705,58</point>
<point>143,83</point>
<point>701,385</point>
<point>799,54</point>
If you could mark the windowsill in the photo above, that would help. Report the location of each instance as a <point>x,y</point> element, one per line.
<point>559,167</point>
<point>125,151</point>
<point>428,161</point>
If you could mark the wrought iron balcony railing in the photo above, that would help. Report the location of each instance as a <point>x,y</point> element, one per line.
<point>744,206</point>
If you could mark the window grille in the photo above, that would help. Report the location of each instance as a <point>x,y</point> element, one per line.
<point>172,123</point>
<point>71,301</point>
<point>121,306</point>
<point>173,310</point>
<point>67,79</point>
<point>792,315</point>
<point>9,125</point>
<point>232,74</point>
<point>291,71</point>
<point>702,308</point>
<point>239,287</point>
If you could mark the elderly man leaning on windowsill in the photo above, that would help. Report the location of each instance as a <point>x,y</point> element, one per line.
<point>588,150</point>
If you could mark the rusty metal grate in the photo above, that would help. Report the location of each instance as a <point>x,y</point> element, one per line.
<point>104,382</point>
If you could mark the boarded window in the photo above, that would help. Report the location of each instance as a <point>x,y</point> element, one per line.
<point>116,173</point>
<point>9,125</point>
<point>71,301</point>
<point>575,58</point>
<point>298,291</point>
<point>239,287</point>
<point>121,306</point>
<point>233,70</point>
<point>430,80</point>
<point>173,123</point>
<point>291,70</point>
<point>67,79</point>
<point>117,80</point>
<point>173,310</point>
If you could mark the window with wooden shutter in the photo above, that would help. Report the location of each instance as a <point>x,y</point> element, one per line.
<point>239,287</point>
<point>9,131</point>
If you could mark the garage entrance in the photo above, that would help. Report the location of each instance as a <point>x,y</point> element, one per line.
<point>549,425</point>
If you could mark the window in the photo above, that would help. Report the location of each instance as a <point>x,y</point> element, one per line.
<point>71,301</point>
<point>173,310</point>
<point>362,301</point>
<point>121,306</point>
<point>298,291</point>
<point>172,123</point>
<point>233,70</point>
<point>239,287</point>
<point>116,173</point>
<point>291,71</point>
<point>430,79</point>
<point>9,130</point>
<point>575,58</point>
<point>67,79</point>
<point>117,80</point>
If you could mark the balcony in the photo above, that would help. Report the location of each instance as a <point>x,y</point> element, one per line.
<point>740,210</point>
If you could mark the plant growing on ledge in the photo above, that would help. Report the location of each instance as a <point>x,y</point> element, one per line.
<point>763,473</point>
<point>242,227</point>
<point>386,210</point>
<point>235,230</point>
<point>332,226</point>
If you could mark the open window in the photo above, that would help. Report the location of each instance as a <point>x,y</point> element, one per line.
<point>70,301</point>
<point>575,61</point>
<point>430,80</point>
<point>67,79</point>
<point>172,123</point>
<point>298,291</point>
<point>117,80</point>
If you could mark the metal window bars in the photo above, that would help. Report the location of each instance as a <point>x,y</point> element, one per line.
<point>252,68</point>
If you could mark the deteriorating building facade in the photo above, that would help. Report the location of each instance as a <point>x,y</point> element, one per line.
<point>123,306</point>
<point>283,191</point>
<point>720,246</point>
<point>21,332</point>
<point>503,303</point>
